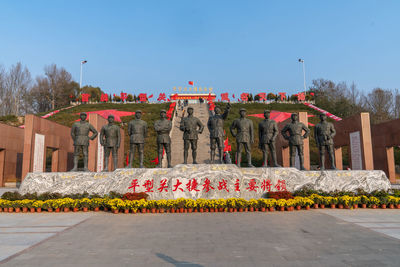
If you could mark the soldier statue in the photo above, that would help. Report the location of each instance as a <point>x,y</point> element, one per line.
<point>324,133</point>
<point>244,136</point>
<point>137,130</point>
<point>215,125</point>
<point>110,139</point>
<point>191,127</point>
<point>80,134</point>
<point>295,138</point>
<point>267,133</point>
<point>163,127</point>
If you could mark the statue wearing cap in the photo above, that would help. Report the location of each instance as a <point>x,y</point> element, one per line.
<point>324,133</point>
<point>110,139</point>
<point>137,130</point>
<point>163,128</point>
<point>244,136</point>
<point>295,137</point>
<point>80,134</point>
<point>267,133</point>
<point>191,127</point>
<point>215,125</point>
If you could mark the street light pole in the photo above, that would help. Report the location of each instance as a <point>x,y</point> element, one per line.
<point>80,80</point>
<point>304,75</point>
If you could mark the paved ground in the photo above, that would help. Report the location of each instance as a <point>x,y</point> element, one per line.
<point>300,238</point>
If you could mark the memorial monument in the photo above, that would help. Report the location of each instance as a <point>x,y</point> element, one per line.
<point>137,130</point>
<point>215,126</point>
<point>163,128</point>
<point>295,138</point>
<point>110,139</point>
<point>191,127</point>
<point>80,134</point>
<point>244,136</point>
<point>324,132</point>
<point>267,133</point>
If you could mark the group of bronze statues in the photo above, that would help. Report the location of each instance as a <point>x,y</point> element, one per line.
<point>242,129</point>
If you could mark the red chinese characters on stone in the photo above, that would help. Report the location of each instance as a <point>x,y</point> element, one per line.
<point>244,97</point>
<point>207,185</point>
<point>266,185</point>
<point>85,97</point>
<point>134,184</point>
<point>148,185</point>
<point>176,186</point>
<point>223,185</point>
<point>252,185</point>
<point>237,185</point>
<point>192,185</point>
<point>104,98</point>
<point>281,185</point>
<point>124,96</point>
<point>142,97</point>
<point>301,97</point>
<point>263,96</point>
<point>163,186</point>
<point>282,96</point>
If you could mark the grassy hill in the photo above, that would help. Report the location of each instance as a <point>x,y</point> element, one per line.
<point>151,114</point>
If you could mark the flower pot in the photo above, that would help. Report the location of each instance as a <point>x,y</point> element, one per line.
<point>230,209</point>
<point>85,209</point>
<point>32,210</point>
<point>364,206</point>
<point>75,209</point>
<point>281,208</point>
<point>373,206</point>
<point>391,206</point>
<point>263,209</point>
<point>1,209</point>
<point>212,210</point>
<point>397,206</point>
<point>190,210</point>
<point>96,209</point>
<point>251,209</point>
<point>105,209</point>
<point>333,206</point>
<point>315,206</point>
<point>161,210</point>
<point>383,206</point>
<point>115,211</point>
<point>307,207</point>
<point>298,207</point>
<point>271,209</point>
<point>246,209</point>
<point>347,207</point>
<point>181,210</point>
<point>340,206</point>
<point>240,209</point>
<point>235,210</point>
<point>153,210</point>
<point>12,209</point>
<point>38,209</point>
<point>24,209</point>
<point>322,206</point>
<point>57,210</point>
<point>126,210</point>
<point>145,211</point>
<point>66,209</point>
<point>17,210</point>
<point>157,211</point>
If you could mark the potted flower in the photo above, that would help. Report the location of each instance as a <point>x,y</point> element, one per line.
<point>17,205</point>
<point>67,203</point>
<point>253,204</point>
<point>95,204</point>
<point>162,205</point>
<point>85,204</point>
<point>281,203</point>
<point>345,201</point>
<point>373,202</point>
<point>271,203</point>
<point>317,200</point>
<point>221,205</point>
<point>384,201</point>
<point>190,204</point>
<point>290,203</point>
<point>231,203</point>
<point>201,204</point>
<point>241,204</point>
<point>56,205</point>
<point>392,202</point>
<point>308,202</point>
<point>38,205</point>
<point>180,205</point>
<point>355,201</point>
<point>142,204</point>
<point>364,201</point>
<point>151,205</point>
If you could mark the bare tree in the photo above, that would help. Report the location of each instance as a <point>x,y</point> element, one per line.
<point>380,103</point>
<point>2,90</point>
<point>58,81</point>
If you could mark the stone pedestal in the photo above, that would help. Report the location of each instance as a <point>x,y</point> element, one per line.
<point>203,181</point>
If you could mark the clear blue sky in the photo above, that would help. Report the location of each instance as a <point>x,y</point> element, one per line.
<point>235,46</point>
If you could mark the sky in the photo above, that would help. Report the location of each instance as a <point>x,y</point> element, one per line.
<point>231,46</point>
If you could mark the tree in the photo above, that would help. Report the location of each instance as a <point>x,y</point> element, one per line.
<point>58,80</point>
<point>380,103</point>
<point>94,92</point>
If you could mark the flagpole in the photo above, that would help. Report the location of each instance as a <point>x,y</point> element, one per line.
<point>80,79</point>
<point>304,76</point>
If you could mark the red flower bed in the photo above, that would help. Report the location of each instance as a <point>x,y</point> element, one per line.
<point>135,196</point>
<point>280,195</point>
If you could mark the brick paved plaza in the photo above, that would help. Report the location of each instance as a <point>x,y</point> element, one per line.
<point>300,238</point>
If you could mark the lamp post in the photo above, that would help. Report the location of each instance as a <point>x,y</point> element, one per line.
<point>304,75</point>
<point>80,80</point>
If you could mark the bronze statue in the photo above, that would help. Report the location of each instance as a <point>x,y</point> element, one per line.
<point>324,133</point>
<point>244,136</point>
<point>80,134</point>
<point>215,125</point>
<point>110,139</point>
<point>137,130</point>
<point>163,127</point>
<point>295,138</point>
<point>191,127</point>
<point>267,133</point>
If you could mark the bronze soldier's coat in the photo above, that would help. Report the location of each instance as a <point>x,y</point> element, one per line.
<point>324,133</point>
<point>137,130</point>
<point>80,133</point>
<point>112,135</point>
<point>295,132</point>
<point>189,125</point>
<point>267,131</point>
<point>163,127</point>
<point>245,130</point>
<point>215,124</point>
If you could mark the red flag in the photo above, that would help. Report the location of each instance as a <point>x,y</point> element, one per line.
<point>191,83</point>
<point>312,94</point>
<point>150,96</point>
<point>233,96</point>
